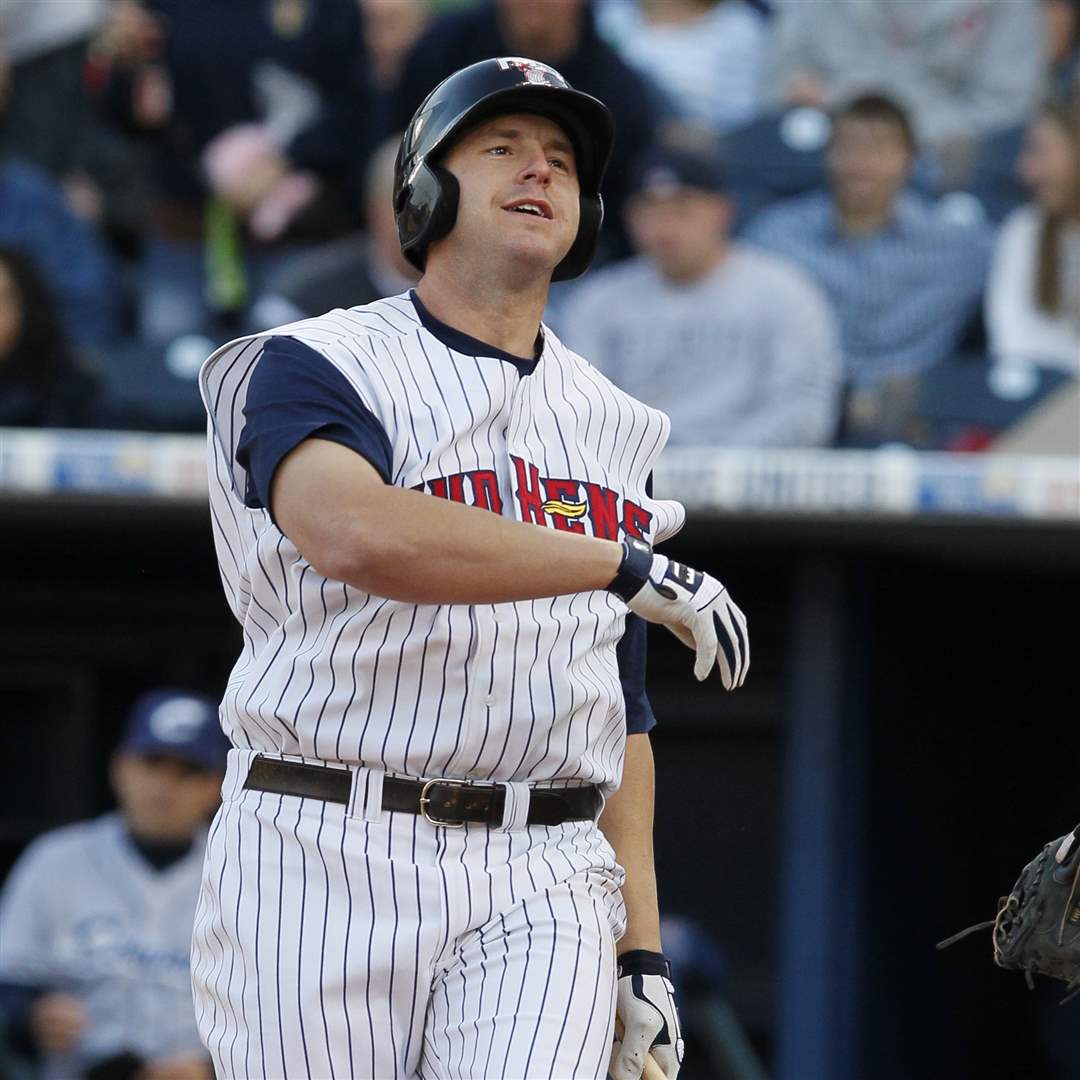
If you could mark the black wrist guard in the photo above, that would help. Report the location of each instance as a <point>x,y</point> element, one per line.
<point>633,569</point>
<point>643,962</point>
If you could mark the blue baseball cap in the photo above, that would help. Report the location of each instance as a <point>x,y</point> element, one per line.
<point>176,723</point>
<point>663,171</point>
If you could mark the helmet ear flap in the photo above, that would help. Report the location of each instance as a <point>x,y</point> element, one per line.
<point>426,209</point>
<point>576,261</point>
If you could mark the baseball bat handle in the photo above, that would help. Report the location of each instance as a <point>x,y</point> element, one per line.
<point>652,1071</point>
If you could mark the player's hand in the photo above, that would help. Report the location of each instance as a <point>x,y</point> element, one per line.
<point>57,1021</point>
<point>698,610</point>
<point>645,1003</point>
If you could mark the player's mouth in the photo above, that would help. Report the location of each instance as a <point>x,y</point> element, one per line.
<point>531,207</point>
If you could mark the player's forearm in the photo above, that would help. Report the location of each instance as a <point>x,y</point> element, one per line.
<point>627,822</point>
<point>408,546</point>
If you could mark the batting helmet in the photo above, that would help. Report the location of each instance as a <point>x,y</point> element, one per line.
<point>426,195</point>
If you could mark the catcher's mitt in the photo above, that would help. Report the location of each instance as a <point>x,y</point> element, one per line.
<point>1037,928</point>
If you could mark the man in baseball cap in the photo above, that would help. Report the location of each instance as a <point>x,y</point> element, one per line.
<point>96,917</point>
<point>738,346</point>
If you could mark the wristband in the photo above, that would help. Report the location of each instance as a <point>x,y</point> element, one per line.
<point>644,962</point>
<point>633,569</point>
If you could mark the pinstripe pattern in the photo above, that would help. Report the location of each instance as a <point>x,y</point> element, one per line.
<point>395,949</point>
<point>344,942</point>
<point>330,672</point>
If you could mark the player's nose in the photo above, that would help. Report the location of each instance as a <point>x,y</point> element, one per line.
<point>536,166</point>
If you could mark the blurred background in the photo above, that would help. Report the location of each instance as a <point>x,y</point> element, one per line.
<point>841,250</point>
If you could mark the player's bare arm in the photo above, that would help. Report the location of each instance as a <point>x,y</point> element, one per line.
<point>645,1001</point>
<point>400,544</point>
<point>409,546</point>
<point>627,824</point>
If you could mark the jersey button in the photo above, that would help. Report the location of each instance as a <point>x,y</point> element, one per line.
<point>490,701</point>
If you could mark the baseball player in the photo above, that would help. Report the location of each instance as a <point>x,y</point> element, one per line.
<point>418,866</point>
<point>96,917</point>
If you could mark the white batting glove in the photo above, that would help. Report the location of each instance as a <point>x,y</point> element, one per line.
<point>645,1003</point>
<point>693,605</point>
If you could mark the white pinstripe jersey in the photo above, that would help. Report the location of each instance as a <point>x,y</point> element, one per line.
<point>514,691</point>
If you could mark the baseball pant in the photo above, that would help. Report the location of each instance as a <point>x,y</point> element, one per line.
<point>338,941</point>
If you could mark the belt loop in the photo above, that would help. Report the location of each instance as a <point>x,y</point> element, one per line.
<point>237,763</point>
<point>365,798</point>
<point>515,807</point>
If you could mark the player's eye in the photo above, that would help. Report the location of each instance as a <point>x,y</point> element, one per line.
<point>499,150</point>
<point>558,163</point>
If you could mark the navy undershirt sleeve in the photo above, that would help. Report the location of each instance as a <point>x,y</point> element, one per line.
<point>630,653</point>
<point>294,393</point>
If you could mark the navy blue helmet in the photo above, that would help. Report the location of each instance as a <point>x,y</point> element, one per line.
<point>426,195</point>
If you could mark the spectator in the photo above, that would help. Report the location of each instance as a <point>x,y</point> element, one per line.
<point>346,273</point>
<point>560,33</point>
<point>705,55</point>
<point>391,28</point>
<point>96,918</point>
<point>904,280</point>
<point>737,346</point>
<point>1033,300</point>
<point>35,218</point>
<point>260,109</point>
<point>961,68</point>
<point>41,385</point>
<point>50,119</point>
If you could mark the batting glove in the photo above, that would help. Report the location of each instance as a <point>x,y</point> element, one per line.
<point>694,606</point>
<point>645,1003</point>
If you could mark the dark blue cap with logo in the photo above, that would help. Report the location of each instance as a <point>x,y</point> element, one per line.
<point>668,170</point>
<point>176,723</point>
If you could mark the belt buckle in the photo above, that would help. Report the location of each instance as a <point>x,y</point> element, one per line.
<point>425,801</point>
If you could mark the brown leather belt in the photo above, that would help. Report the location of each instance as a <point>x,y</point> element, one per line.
<point>442,802</point>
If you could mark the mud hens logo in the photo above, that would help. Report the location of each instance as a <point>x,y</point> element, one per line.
<point>566,505</point>
<point>540,74</point>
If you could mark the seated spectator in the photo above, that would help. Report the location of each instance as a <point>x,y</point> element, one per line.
<point>737,346</point>
<point>41,385</point>
<point>560,33</point>
<point>50,120</point>
<point>259,112</point>
<point>35,218</point>
<point>391,28</point>
<point>961,68</point>
<point>1033,299</point>
<point>705,55</point>
<point>905,281</point>
<point>96,918</point>
<point>349,272</point>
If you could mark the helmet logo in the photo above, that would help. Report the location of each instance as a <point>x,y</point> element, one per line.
<point>534,72</point>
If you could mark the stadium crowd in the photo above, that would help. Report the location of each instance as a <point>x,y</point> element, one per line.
<point>829,223</point>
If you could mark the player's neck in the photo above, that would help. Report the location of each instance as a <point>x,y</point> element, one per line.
<point>492,312</point>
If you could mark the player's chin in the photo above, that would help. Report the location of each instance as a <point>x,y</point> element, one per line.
<point>536,251</point>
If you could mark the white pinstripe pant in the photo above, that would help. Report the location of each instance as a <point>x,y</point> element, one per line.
<point>330,945</point>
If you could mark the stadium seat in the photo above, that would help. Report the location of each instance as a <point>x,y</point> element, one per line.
<point>968,400</point>
<point>774,157</point>
<point>154,388</point>
<point>994,181</point>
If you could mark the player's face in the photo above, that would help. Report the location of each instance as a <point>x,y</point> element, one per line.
<point>163,799</point>
<point>683,232</point>
<point>869,162</point>
<point>1050,166</point>
<point>519,193</point>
